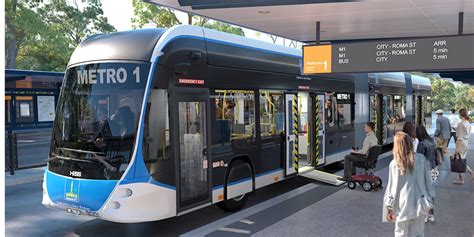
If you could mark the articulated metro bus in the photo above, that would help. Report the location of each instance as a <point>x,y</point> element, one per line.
<point>156,123</point>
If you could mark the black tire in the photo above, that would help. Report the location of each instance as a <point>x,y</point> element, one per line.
<point>367,186</point>
<point>233,204</point>
<point>351,185</point>
<point>378,183</point>
<point>236,203</point>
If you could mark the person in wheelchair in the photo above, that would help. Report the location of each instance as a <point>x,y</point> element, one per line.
<point>359,155</point>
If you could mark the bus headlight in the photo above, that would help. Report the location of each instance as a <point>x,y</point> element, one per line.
<point>129,192</point>
<point>115,205</point>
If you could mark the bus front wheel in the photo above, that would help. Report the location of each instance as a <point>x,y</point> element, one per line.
<point>233,204</point>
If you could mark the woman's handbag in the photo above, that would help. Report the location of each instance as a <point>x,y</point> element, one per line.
<point>458,165</point>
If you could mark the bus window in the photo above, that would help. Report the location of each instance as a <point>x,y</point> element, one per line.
<point>345,115</point>
<point>330,110</point>
<point>272,113</point>
<point>235,114</point>
<point>156,137</point>
<point>427,108</point>
<point>399,108</point>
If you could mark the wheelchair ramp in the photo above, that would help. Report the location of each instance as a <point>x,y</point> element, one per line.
<point>323,177</point>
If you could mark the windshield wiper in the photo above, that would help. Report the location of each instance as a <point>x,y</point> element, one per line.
<point>99,156</point>
<point>55,157</point>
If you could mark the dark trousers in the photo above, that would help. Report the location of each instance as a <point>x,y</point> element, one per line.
<point>348,167</point>
<point>453,135</point>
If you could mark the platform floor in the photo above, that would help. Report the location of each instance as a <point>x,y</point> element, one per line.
<point>293,207</point>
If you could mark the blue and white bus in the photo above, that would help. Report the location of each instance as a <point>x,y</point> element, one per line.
<point>156,123</point>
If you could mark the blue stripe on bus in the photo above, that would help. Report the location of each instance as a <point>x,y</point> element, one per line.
<point>246,179</point>
<point>138,168</point>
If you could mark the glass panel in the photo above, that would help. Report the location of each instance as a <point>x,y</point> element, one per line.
<point>156,138</point>
<point>8,111</point>
<point>390,113</point>
<point>272,114</point>
<point>290,118</point>
<point>427,109</point>
<point>24,109</point>
<point>399,108</point>
<point>98,111</point>
<point>321,113</point>
<point>235,114</point>
<point>330,110</point>
<point>46,108</point>
<point>344,109</point>
<point>192,145</point>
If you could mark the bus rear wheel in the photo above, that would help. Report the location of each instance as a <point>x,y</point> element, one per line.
<point>233,204</point>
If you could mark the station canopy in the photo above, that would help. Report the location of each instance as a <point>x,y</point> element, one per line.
<point>340,20</point>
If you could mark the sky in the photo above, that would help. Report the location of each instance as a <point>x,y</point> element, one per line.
<point>120,12</point>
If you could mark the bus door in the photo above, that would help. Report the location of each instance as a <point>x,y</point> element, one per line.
<point>190,123</point>
<point>291,132</point>
<point>319,130</point>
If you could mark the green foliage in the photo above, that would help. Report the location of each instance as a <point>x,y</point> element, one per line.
<point>21,24</point>
<point>146,13</point>
<point>51,31</point>
<point>446,95</point>
<point>443,92</point>
<point>464,97</point>
<point>73,22</point>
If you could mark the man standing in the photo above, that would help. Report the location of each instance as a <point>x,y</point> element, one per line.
<point>443,131</point>
<point>360,155</point>
<point>453,121</point>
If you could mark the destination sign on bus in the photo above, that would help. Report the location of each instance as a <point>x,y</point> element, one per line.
<point>437,53</point>
<point>107,76</point>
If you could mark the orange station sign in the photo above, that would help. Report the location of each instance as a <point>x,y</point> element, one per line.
<point>317,59</point>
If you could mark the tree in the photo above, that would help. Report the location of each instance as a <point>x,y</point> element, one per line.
<point>75,22</point>
<point>42,36</point>
<point>146,13</point>
<point>464,98</point>
<point>443,92</point>
<point>21,23</point>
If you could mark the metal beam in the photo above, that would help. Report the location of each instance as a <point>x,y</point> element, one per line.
<point>318,32</point>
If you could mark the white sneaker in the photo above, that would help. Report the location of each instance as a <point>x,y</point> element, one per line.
<point>430,218</point>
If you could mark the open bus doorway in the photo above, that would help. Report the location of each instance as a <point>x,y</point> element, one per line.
<point>305,131</point>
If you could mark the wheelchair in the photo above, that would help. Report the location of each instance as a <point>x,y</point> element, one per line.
<point>368,180</point>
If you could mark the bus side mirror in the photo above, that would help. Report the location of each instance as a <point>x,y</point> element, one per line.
<point>181,68</point>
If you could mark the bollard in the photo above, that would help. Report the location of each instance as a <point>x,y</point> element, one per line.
<point>11,164</point>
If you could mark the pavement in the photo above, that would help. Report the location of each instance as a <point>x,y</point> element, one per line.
<point>24,176</point>
<point>292,207</point>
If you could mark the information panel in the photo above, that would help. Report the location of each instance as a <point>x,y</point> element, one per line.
<point>440,53</point>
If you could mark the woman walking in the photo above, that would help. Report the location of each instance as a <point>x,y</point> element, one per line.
<point>409,129</point>
<point>427,147</point>
<point>409,192</point>
<point>463,131</point>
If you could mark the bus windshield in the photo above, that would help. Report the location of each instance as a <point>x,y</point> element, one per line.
<point>97,119</point>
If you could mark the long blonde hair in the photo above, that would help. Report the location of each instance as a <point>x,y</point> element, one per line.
<point>403,152</point>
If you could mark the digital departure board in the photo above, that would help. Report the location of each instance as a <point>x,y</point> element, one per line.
<point>437,53</point>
